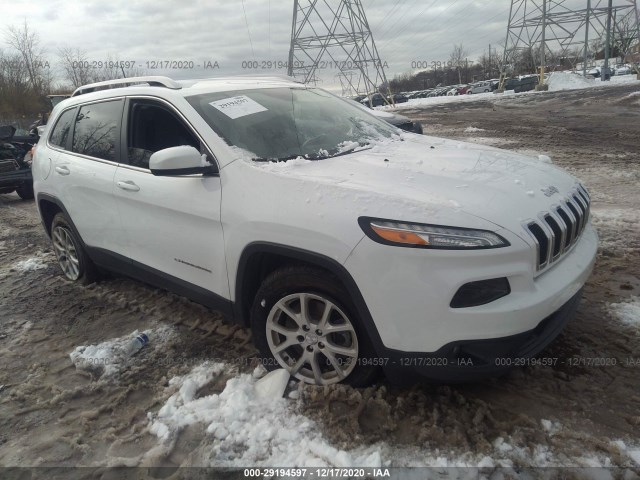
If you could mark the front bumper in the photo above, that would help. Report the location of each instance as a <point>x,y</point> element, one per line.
<point>408,291</point>
<point>472,360</point>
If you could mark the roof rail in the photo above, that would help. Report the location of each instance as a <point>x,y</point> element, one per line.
<point>153,81</point>
<point>248,76</point>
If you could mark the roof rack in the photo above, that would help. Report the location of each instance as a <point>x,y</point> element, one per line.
<point>152,81</point>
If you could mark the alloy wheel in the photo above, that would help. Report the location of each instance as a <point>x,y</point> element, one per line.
<point>312,338</point>
<point>66,252</point>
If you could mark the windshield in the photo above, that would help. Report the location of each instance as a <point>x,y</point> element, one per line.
<point>286,123</point>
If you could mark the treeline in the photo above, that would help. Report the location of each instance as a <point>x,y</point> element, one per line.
<point>28,74</point>
<point>457,70</point>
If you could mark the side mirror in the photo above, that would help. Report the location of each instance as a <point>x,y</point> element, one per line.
<point>178,161</point>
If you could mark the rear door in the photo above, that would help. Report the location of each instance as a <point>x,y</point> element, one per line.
<point>171,224</point>
<point>83,172</point>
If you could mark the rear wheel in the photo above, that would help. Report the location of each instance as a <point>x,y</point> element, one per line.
<point>303,321</point>
<point>72,258</point>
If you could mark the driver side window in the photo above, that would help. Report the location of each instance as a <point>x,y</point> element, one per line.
<point>153,127</point>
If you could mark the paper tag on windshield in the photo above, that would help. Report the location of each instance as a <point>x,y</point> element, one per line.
<point>236,107</point>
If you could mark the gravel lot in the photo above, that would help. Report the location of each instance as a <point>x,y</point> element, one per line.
<point>55,413</point>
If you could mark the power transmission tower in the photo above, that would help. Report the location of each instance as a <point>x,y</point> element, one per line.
<point>540,30</point>
<point>335,35</point>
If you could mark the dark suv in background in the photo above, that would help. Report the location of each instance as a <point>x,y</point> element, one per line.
<point>15,162</point>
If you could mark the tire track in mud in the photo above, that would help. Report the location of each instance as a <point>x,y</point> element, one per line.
<point>53,413</point>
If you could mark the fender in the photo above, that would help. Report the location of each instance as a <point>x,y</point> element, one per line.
<point>55,200</point>
<point>242,304</point>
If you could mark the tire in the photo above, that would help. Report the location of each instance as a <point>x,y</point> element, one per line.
<point>25,191</point>
<point>297,343</point>
<point>72,258</point>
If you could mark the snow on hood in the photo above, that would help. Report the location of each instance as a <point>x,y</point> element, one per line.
<point>430,174</point>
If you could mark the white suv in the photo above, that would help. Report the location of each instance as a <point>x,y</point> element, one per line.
<point>343,243</point>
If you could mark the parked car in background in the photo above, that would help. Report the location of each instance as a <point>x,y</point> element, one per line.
<point>598,72</point>
<point>522,84</point>
<point>529,82</point>
<point>374,100</point>
<point>398,98</point>
<point>15,162</point>
<point>479,87</point>
<point>623,70</point>
<point>399,121</point>
<point>462,90</point>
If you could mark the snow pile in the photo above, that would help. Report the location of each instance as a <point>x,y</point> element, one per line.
<point>473,130</point>
<point>628,312</point>
<point>108,358</point>
<point>31,264</point>
<point>568,81</point>
<point>550,427</point>
<point>249,423</point>
<point>632,452</point>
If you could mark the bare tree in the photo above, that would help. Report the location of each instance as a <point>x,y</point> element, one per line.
<point>490,64</point>
<point>458,59</point>
<point>27,44</point>
<point>75,65</point>
<point>624,37</point>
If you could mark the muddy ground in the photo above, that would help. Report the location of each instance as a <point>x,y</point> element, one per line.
<point>52,414</point>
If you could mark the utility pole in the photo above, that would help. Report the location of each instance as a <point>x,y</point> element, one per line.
<point>604,74</point>
<point>543,46</point>
<point>586,39</point>
<point>489,61</point>
<point>338,32</point>
<point>561,25</point>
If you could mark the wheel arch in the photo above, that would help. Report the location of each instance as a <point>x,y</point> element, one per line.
<point>49,206</point>
<point>259,259</point>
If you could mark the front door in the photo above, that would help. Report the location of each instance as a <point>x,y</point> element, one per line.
<point>171,224</point>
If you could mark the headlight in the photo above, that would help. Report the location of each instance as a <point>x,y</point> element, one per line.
<point>417,235</point>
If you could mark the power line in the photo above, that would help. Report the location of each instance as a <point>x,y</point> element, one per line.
<point>400,17</point>
<point>253,54</point>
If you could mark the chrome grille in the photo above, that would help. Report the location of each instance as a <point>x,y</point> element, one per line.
<point>555,232</point>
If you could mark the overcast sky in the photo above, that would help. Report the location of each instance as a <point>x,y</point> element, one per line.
<point>405,31</point>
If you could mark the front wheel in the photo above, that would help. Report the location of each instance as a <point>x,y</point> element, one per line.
<point>303,321</point>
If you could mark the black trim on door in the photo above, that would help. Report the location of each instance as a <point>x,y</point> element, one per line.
<point>120,264</point>
<point>123,265</point>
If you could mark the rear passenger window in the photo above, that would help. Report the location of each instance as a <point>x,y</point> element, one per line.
<point>153,127</point>
<point>97,128</point>
<point>62,129</point>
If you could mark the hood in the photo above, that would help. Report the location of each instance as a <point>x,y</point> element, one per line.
<point>431,178</point>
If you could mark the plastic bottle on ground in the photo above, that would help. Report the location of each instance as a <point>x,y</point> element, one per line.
<point>136,343</point>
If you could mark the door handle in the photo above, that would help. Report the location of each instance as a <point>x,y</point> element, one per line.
<point>62,170</point>
<point>128,185</point>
